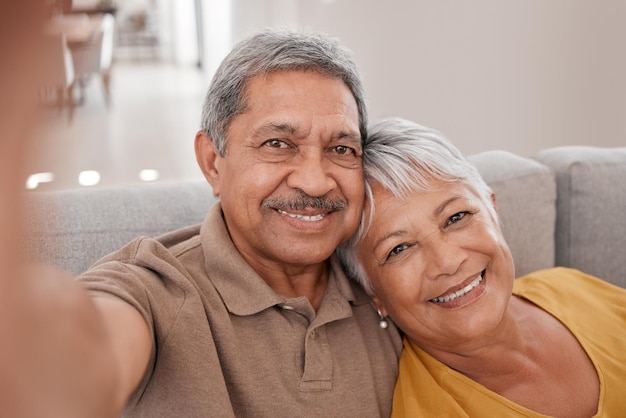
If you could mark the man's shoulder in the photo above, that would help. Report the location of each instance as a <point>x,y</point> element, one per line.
<point>149,268</point>
<point>144,251</point>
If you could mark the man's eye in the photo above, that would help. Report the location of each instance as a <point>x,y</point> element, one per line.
<point>346,153</point>
<point>275,143</point>
<point>344,150</point>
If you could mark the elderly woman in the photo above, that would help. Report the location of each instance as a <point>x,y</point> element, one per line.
<point>478,343</point>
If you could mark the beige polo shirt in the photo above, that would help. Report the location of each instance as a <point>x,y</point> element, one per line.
<point>226,345</point>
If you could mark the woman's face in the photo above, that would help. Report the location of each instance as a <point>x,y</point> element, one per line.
<point>439,265</point>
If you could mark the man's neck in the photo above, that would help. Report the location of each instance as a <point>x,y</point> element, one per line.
<point>298,281</point>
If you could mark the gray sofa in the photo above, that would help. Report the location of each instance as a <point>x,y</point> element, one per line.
<point>565,206</point>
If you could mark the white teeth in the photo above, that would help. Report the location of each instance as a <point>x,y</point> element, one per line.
<point>302,217</point>
<point>459,293</point>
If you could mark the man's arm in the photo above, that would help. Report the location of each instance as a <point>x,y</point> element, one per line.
<point>63,353</point>
<point>131,343</point>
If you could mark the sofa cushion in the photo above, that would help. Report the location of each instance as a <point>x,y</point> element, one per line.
<point>591,226</point>
<point>74,228</point>
<point>525,196</point>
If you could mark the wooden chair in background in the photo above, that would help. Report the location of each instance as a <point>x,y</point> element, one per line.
<point>95,57</point>
<point>58,74</point>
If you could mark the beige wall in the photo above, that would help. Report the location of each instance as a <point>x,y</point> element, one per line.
<point>518,75</point>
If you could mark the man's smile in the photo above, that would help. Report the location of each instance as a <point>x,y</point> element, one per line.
<point>312,218</point>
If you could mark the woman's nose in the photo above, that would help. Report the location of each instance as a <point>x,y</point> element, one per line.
<point>444,257</point>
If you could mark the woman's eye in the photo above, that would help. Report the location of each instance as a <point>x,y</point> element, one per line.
<point>397,250</point>
<point>456,217</point>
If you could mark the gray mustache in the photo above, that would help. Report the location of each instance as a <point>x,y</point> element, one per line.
<point>303,202</point>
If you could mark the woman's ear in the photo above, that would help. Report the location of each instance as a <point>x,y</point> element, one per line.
<point>493,200</point>
<point>208,159</point>
<point>379,306</point>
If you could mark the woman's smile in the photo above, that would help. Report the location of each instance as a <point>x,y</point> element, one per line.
<point>464,291</point>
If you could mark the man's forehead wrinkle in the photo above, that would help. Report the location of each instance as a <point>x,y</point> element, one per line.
<point>276,127</point>
<point>354,136</point>
<point>273,127</point>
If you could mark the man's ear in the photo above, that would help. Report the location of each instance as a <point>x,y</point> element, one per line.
<point>208,159</point>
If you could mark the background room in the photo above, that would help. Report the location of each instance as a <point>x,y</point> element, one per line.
<point>518,76</point>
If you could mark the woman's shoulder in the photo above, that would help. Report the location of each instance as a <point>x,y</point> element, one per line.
<point>563,279</point>
<point>570,293</point>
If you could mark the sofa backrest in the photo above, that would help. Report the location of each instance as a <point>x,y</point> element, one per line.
<point>591,207</point>
<point>74,228</point>
<point>525,198</point>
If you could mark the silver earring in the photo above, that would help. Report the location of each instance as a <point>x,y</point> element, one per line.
<point>383,322</point>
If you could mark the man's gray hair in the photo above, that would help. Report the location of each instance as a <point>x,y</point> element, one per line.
<point>268,51</point>
<point>404,157</point>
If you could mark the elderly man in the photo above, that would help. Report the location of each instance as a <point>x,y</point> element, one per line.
<point>250,313</point>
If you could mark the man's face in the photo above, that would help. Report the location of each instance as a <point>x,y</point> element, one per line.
<point>291,183</point>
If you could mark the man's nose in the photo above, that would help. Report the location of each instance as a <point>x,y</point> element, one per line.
<point>311,173</point>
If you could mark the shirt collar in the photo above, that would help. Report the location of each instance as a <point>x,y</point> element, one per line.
<point>233,277</point>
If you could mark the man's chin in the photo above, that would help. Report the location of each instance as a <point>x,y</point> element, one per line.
<point>304,255</point>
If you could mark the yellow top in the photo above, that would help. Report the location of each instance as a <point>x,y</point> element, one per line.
<point>592,309</point>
